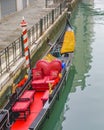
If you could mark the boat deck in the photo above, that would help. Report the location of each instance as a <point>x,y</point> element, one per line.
<point>35,108</point>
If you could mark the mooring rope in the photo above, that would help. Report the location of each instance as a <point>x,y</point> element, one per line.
<point>8,125</point>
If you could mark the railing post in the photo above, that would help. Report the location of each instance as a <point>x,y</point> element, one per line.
<point>47,20</point>
<point>7,58</point>
<point>0,66</point>
<point>33,35</point>
<point>52,16</point>
<point>60,8</point>
<point>22,46</point>
<point>46,3</point>
<point>41,26</point>
<point>36,30</point>
<point>13,48</point>
<point>64,4</point>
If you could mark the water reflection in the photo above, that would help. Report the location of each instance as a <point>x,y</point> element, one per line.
<point>86,107</point>
<point>84,37</point>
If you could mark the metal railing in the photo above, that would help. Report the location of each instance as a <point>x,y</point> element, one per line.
<point>15,50</point>
<point>10,55</point>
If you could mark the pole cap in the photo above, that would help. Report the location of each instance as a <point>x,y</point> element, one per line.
<point>23,23</point>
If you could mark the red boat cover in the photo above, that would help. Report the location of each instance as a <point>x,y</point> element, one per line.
<point>45,73</point>
<point>46,67</point>
<point>28,94</point>
<point>21,106</point>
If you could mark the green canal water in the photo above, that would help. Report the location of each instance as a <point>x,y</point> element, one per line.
<point>81,104</point>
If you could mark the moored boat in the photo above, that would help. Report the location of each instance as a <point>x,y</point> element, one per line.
<point>31,103</point>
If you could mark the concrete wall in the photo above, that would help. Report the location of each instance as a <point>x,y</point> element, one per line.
<point>0,10</point>
<point>19,5</point>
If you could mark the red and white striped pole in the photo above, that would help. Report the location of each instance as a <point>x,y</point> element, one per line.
<point>25,42</point>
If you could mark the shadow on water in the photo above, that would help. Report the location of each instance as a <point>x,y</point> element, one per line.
<point>56,115</point>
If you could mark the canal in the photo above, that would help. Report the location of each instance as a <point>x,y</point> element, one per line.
<point>81,104</point>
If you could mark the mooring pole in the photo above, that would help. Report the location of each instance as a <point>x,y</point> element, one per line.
<point>25,43</point>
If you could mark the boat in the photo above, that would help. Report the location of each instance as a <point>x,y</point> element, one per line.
<point>34,96</point>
